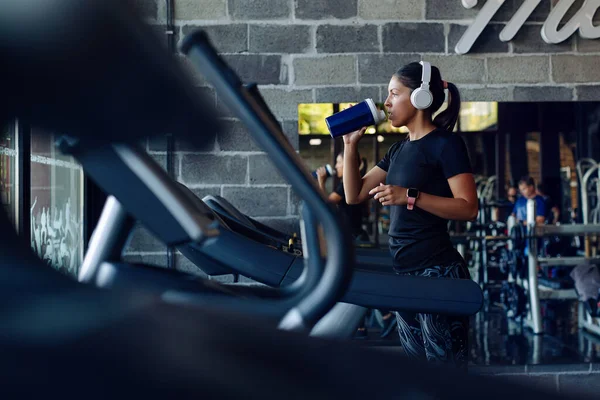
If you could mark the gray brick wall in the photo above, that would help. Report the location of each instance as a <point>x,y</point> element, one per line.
<point>302,51</point>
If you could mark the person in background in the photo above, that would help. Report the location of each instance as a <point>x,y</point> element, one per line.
<point>552,210</point>
<point>352,213</point>
<point>528,191</point>
<point>512,193</point>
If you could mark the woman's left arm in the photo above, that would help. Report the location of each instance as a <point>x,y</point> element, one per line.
<point>464,206</point>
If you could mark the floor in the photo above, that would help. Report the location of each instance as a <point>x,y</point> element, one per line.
<point>497,340</point>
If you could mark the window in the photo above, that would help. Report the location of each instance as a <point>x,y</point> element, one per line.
<point>56,205</point>
<point>478,116</point>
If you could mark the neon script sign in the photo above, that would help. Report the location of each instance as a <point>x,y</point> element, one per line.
<point>582,21</point>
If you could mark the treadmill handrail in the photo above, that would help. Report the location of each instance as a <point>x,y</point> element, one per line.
<point>340,261</point>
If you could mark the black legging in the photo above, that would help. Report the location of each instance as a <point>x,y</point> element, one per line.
<point>434,337</point>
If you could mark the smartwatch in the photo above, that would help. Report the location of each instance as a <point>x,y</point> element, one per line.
<point>412,194</point>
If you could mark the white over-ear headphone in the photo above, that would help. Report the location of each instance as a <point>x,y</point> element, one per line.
<point>421,97</point>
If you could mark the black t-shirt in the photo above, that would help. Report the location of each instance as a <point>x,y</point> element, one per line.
<point>353,213</point>
<point>419,239</point>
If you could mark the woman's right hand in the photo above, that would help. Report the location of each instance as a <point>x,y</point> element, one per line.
<point>354,137</point>
<point>321,174</point>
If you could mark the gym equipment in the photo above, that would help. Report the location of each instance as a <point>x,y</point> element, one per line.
<point>197,46</point>
<point>130,342</point>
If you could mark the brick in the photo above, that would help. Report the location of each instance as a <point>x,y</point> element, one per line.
<point>184,265</point>
<point>542,93</point>
<point>295,202</point>
<point>156,260</point>
<point>159,143</point>
<point>190,69</point>
<point>330,70</point>
<point>290,128</point>
<point>390,9</point>
<point>288,225</point>
<point>444,9</point>
<point>378,69</point>
<point>487,42</point>
<point>568,68</point>
<point>339,9</point>
<point>485,94</point>
<point>160,160</point>
<point>413,37</point>
<point>262,170</point>
<point>280,38</point>
<point>588,93</point>
<point>235,137</point>
<point>258,201</point>
<point>142,240</point>
<point>230,38</point>
<point>346,94</point>
<point>347,39</point>
<point>529,40</point>
<point>201,9</point>
<point>259,9</point>
<point>459,69</point>
<point>581,386</point>
<point>213,169</point>
<point>518,69</point>
<point>510,7</point>
<point>260,69</point>
<point>284,103</point>
<point>587,45</point>
<point>575,8</point>
<point>205,191</point>
<point>453,10</point>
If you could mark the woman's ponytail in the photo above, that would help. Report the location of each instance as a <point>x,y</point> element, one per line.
<point>447,118</point>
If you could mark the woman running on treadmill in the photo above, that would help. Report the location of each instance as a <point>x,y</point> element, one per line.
<point>426,180</point>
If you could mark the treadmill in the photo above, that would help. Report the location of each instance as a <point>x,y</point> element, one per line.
<point>116,343</point>
<point>260,231</point>
<point>235,253</point>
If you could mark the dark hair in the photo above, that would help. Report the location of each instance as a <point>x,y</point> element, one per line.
<point>410,75</point>
<point>363,170</point>
<point>359,159</point>
<point>541,187</point>
<point>527,180</point>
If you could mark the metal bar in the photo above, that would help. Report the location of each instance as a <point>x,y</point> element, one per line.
<point>567,261</point>
<point>500,164</point>
<point>534,295</point>
<point>568,229</point>
<point>108,240</point>
<point>546,293</point>
<point>23,214</point>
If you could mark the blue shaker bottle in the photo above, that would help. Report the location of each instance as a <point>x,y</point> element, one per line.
<point>328,168</point>
<point>351,119</point>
